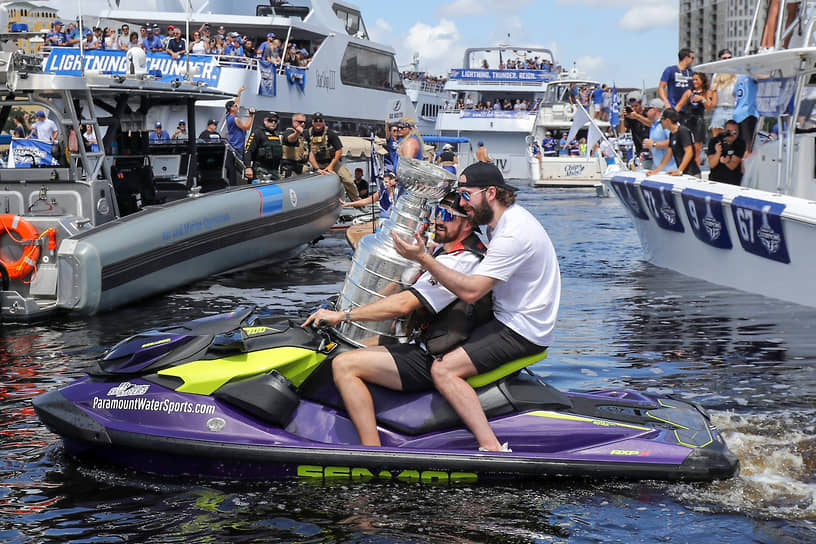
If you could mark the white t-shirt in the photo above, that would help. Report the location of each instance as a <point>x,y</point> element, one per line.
<point>521,256</point>
<point>433,295</point>
<point>44,130</point>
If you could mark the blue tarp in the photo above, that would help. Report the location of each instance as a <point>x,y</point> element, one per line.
<point>444,139</point>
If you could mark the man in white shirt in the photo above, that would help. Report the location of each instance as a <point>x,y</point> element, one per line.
<point>44,129</point>
<point>520,267</point>
<point>403,367</point>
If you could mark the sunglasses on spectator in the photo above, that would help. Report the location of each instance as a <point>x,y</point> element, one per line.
<point>468,196</point>
<point>447,215</point>
<point>298,121</point>
<point>725,58</point>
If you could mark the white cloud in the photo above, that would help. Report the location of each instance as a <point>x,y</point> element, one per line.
<point>590,64</point>
<point>461,8</point>
<point>640,15</point>
<point>436,45</point>
<point>381,31</point>
<point>646,17</point>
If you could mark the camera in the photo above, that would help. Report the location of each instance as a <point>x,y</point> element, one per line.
<point>726,133</point>
<point>627,109</point>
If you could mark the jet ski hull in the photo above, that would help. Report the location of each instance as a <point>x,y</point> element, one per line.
<point>146,427</point>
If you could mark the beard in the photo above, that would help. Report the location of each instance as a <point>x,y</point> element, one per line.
<point>483,213</point>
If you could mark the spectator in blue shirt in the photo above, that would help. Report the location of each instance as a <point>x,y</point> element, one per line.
<point>159,135</point>
<point>176,45</point>
<point>56,37</point>
<point>153,42</point>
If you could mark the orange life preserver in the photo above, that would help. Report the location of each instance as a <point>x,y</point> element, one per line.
<point>14,224</point>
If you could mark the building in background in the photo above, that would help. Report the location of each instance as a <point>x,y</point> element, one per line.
<point>706,26</point>
<point>35,17</point>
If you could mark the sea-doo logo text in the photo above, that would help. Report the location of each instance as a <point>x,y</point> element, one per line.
<point>143,404</point>
<point>363,474</point>
<point>127,389</point>
<point>630,452</point>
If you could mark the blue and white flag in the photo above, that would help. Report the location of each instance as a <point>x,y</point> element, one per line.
<point>27,153</point>
<point>374,167</point>
<point>614,115</point>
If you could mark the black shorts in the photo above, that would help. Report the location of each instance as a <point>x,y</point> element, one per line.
<point>414,366</point>
<point>494,343</point>
<point>747,128</point>
<point>489,346</point>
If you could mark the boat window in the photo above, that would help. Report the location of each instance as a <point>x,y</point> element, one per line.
<point>283,9</point>
<point>352,21</point>
<point>363,67</point>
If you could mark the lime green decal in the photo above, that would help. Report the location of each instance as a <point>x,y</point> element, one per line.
<point>594,421</point>
<point>651,415</point>
<point>506,369</point>
<point>703,445</point>
<point>250,331</point>
<point>358,474</point>
<point>156,343</point>
<point>204,377</point>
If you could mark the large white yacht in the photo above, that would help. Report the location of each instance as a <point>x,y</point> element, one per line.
<point>485,79</point>
<point>352,80</point>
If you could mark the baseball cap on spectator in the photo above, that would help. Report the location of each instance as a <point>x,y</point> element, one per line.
<point>389,174</point>
<point>480,143</point>
<point>656,103</point>
<point>233,34</point>
<point>212,122</point>
<point>156,29</point>
<point>317,116</point>
<point>170,27</point>
<point>57,23</point>
<point>271,35</point>
<point>272,115</point>
<point>633,96</point>
<point>182,122</point>
<point>89,32</point>
<point>158,124</point>
<point>40,113</point>
<point>483,174</point>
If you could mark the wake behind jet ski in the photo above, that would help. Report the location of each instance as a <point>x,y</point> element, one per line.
<point>238,396</point>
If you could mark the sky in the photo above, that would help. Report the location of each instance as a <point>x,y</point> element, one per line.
<point>622,42</point>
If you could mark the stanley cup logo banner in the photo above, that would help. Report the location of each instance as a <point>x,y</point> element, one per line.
<point>759,226</point>
<point>659,200</point>
<point>705,216</point>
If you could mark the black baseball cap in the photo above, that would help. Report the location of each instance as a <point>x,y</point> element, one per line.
<point>272,115</point>
<point>483,174</point>
<point>212,122</point>
<point>451,200</point>
<point>317,116</point>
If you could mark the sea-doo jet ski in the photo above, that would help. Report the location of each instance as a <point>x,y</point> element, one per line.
<point>238,396</point>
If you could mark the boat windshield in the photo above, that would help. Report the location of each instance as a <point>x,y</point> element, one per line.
<point>352,20</point>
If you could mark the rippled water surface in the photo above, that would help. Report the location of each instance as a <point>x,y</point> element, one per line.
<point>748,359</point>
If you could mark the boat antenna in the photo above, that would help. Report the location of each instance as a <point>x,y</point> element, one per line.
<point>81,38</point>
<point>186,37</point>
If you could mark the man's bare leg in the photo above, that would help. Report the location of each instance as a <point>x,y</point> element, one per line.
<point>449,375</point>
<point>351,370</point>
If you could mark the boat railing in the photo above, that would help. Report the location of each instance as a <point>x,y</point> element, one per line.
<point>423,86</point>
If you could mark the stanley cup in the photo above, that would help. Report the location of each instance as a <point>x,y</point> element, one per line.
<point>377,270</point>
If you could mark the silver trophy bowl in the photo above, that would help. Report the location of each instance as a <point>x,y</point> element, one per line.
<point>377,270</point>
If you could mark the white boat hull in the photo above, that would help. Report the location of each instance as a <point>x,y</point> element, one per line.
<point>748,239</point>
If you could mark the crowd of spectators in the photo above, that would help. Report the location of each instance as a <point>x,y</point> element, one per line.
<point>207,40</point>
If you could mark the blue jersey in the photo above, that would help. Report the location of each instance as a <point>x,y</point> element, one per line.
<point>677,82</point>
<point>548,145</point>
<point>745,89</point>
<point>236,136</point>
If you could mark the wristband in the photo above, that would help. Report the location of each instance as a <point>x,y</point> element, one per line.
<point>348,316</point>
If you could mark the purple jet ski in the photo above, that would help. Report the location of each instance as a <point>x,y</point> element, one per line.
<point>236,396</point>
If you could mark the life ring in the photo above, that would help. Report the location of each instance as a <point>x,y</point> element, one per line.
<point>14,224</point>
<point>570,110</point>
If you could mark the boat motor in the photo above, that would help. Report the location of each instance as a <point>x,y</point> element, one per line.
<point>377,270</point>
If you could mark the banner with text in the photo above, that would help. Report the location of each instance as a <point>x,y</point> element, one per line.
<point>532,76</point>
<point>67,61</point>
